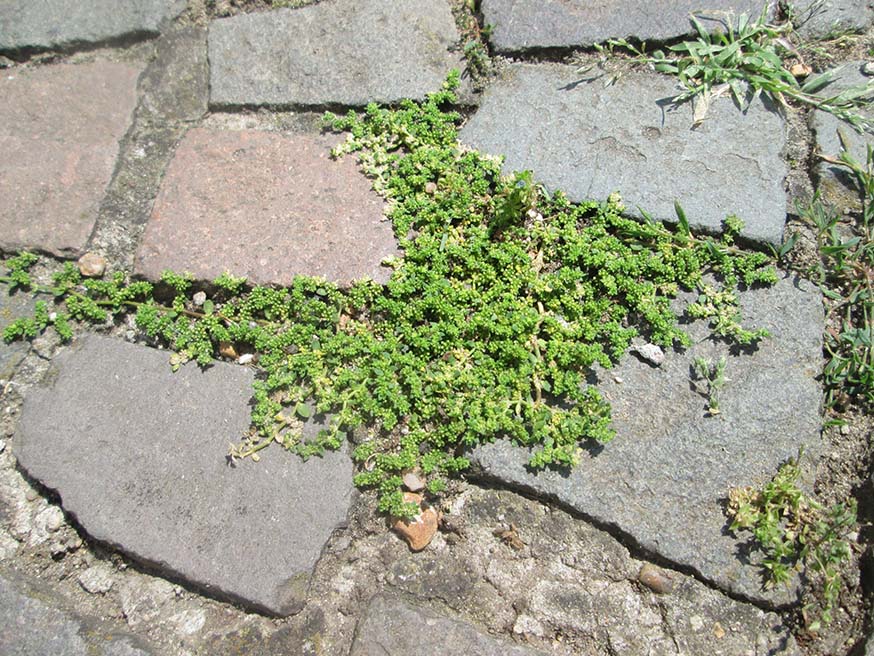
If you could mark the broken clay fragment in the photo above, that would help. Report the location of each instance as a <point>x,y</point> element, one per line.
<point>418,531</point>
<point>656,579</point>
<point>92,265</point>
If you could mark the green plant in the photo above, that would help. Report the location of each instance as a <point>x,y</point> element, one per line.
<point>795,533</point>
<point>505,296</point>
<point>846,276</point>
<point>714,374</point>
<point>746,59</point>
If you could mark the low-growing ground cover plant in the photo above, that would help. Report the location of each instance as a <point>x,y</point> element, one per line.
<point>504,298</point>
<point>796,533</point>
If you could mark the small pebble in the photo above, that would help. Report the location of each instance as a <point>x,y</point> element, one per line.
<point>618,380</point>
<point>58,550</point>
<point>845,429</point>
<point>718,631</point>
<point>430,188</point>
<point>800,70</point>
<point>246,358</point>
<point>199,298</point>
<point>31,495</point>
<point>651,353</point>
<point>54,518</point>
<point>92,265</point>
<point>868,68</point>
<point>419,531</point>
<point>96,579</point>
<point>413,482</point>
<point>655,579</point>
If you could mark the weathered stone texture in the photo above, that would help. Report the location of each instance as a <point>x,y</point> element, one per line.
<point>531,24</point>
<point>138,455</point>
<point>589,139</point>
<point>59,131</point>
<point>836,16</point>
<point>395,628</point>
<point>33,623</point>
<point>61,23</point>
<point>343,52</point>
<point>268,207</point>
<point>664,479</point>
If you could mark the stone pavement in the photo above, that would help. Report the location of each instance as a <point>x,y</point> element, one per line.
<point>164,142</point>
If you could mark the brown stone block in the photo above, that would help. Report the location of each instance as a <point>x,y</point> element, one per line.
<point>266,206</point>
<point>59,131</point>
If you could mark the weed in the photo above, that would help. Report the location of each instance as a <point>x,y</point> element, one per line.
<point>504,298</point>
<point>795,532</point>
<point>846,276</point>
<point>714,374</point>
<point>746,59</point>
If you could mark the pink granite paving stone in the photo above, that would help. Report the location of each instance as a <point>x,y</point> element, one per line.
<point>266,206</point>
<point>59,131</point>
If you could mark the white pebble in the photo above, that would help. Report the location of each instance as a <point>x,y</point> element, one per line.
<point>246,358</point>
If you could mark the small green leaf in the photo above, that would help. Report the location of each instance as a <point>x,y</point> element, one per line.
<point>303,411</point>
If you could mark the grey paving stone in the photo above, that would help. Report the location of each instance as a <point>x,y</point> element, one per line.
<point>664,479</point>
<point>61,23</point>
<point>138,456</point>
<point>394,628</point>
<point>11,308</point>
<point>266,206</point>
<point>836,16</point>
<point>588,140</point>
<point>59,131</point>
<point>347,52</point>
<point>531,24</point>
<point>834,183</point>
<point>34,623</point>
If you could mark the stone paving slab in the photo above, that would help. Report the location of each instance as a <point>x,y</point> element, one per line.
<point>51,24</point>
<point>343,52</point>
<point>392,627</point>
<point>590,140</point>
<point>534,24</point>
<point>834,183</point>
<point>837,16</point>
<point>138,457</point>
<point>32,623</point>
<point>59,131</point>
<point>663,481</point>
<point>265,206</point>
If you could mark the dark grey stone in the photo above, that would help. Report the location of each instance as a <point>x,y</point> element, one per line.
<point>531,24</point>
<point>664,480</point>
<point>34,623</point>
<point>12,307</point>
<point>834,182</point>
<point>345,52</point>
<point>61,23</point>
<point>395,628</point>
<point>837,16</point>
<point>589,140</point>
<point>175,86</point>
<point>138,456</point>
